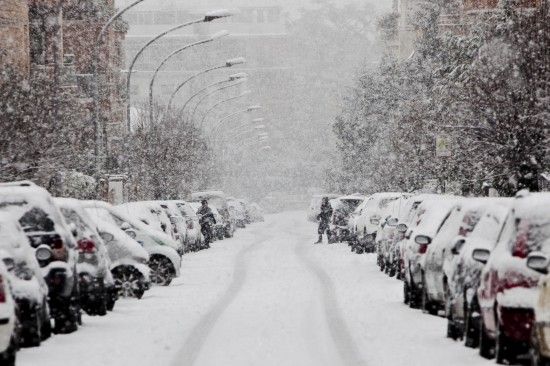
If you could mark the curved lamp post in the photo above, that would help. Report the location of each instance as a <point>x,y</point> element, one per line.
<point>97,124</point>
<point>206,96</point>
<point>228,63</point>
<point>217,127</point>
<point>238,78</point>
<point>167,58</point>
<point>248,92</point>
<point>207,18</point>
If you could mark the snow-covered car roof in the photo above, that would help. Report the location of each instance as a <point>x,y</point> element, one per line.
<point>206,195</point>
<point>532,205</point>
<point>124,246</point>
<point>431,214</point>
<point>150,212</point>
<point>105,209</point>
<point>19,199</point>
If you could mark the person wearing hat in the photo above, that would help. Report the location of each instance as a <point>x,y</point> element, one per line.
<point>206,220</point>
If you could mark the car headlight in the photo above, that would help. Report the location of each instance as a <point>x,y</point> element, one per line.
<point>43,253</point>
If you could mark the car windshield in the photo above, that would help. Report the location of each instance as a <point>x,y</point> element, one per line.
<point>36,219</point>
<point>534,233</point>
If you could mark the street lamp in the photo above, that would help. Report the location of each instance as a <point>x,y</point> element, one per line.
<point>228,63</point>
<point>237,78</point>
<point>167,58</point>
<point>207,18</point>
<point>221,121</point>
<point>204,97</point>
<point>222,102</point>
<point>98,42</point>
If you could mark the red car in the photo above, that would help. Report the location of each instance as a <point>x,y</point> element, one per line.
<point>508,288</point>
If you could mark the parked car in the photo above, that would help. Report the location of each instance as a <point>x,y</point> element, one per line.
<point>54,244</point>
<point>219,227</point>
<point>256,212</point>
<point>238,213</point>
<point>28,288</point>
<point>462,307</point>
<point>178,222</point>
<point>508,289</point>
<point>430,216</point>
<point>129,260</point>
<point>342,208</point>
<point>193,239</point>
<point>152,214</point>
<point>8,335</point>
<point>97,287</point>
<point>388,236</point>
<point>216,199</point>
<point>368,222</point>
<point>165,262</point>
<point>460,222</point>
<point>315,205</point>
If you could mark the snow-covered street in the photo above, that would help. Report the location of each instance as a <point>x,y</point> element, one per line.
<point>266,297</point>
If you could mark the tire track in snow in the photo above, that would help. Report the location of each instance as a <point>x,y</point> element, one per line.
<point>346,347</point>
<point>192,347</point>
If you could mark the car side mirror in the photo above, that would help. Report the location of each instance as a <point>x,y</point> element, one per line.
<point>402,228</point>
<point>481,255</point>
<point>459,243</point>
<point>422,240</point>
<point>538,262</point>
<point>392,221</point>
<point>107,237</point>
<point>131,233</point>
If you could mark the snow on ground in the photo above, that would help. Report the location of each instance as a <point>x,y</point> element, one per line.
<point>266,297</point>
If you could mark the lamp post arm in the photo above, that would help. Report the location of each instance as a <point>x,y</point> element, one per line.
<point>173,95</point>
<point>218,104</point>
<point>155,74</point>
<point>134,60</point>
<point>192,115</point>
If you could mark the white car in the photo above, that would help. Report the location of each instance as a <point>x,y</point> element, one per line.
<point>368,222</point>
<point>165,261</point>
<point>150,213</point>
<point>194,237</point>
<point>29,290</point>
<point>431,214</point>
<point>8,347</point>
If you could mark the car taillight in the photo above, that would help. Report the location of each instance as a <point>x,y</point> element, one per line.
<point>422,248</point>
<point>86,246</point>
<point>57,243</point>
<point>2,290</point>
<point>521,246</point>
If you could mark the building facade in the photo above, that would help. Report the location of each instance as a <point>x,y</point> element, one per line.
<point>14,35</point>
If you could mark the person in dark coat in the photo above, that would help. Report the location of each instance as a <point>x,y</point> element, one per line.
<point>324,218</point>
<point>206,220</point>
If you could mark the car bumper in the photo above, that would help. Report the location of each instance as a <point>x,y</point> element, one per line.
<point>517,323</point>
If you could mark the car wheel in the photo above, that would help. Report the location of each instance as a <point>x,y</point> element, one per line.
<point>452,330</point>
<point>66,321</point>
<point>406,293</point>
<point>46,328</point>
<point>486,344</point>
<point>471,326</point>
<point>427,305</point>
<point>162,270</point>
<point>32,336</point>
<point>111,298</point>
<point>7,358</point>
<point>504,347</point>
<point>414,297</point>
<point>129,282</point>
